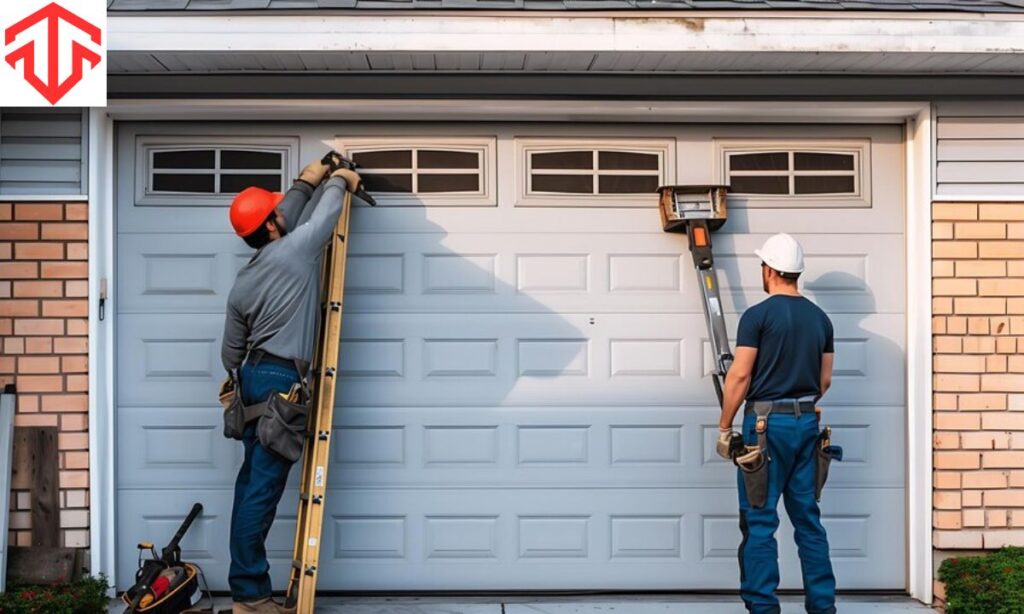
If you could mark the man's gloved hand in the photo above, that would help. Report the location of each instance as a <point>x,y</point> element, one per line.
<point>227,392</point>
<point>314,173</point>
<point>724,440</point>
<point>352,178</point>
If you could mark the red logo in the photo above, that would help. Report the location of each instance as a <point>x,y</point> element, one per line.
<point>53,89</point>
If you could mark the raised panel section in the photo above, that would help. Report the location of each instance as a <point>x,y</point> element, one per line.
<point>552,444</point>
<point>460,444</point>
<point>553,537</point>
<point>552,273</point>
<point>851,358</point>
<point>848,535</point>
<point>280,542</point>
<point>657,357</point>
<point>466,537</point>
<point>372,358</point>
<point>375,274</point>
<point>460,357</point>
<point>648,537</point>
<point>370,445</point>
<point>646,444</point>
<point>180,446</point>
<point>459,273</point>
<point>178,358</point>
<point>180,274</point>
<point>720,536</point>
<point>553,357</point>
<point>369,537</point>
<point>643,273</point>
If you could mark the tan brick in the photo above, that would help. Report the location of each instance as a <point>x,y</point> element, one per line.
<point>938,325</point>
<point>19,270</point>
<point>947,345</point>
<point>979,345</point>
<point>74,231</point>
<point>999,539</point>
<point>28,403</point>
<point>1002,382</point>
<point>74,479</point>
<point>946,499</point>
<point>955,382</point>
<point>944,401</point>
<point>956,325</point>
<point>957,460</point>
<point>39,383</point>
<point>996,518</point>
<point>1003,421</point>
<point>77,383</point>
<point>952,363</point>
<point>76,212</point>
<point>77,251</point>
<point>954,421</point>
<point>1001,459</point>
<point>980,230</point>
<point>946,479</point>
<point>954,211</point>
<point>19,308</point>
<point>72,441</point>
<point>1016,518</point>
<point>77,326</point>
<point>41,364</point>
<point>1006,345</point>
<point>76,289</point>
<point>942,305</point>
<point>971,498</point>
<point>943,268</point>
<point>19,232</point>
<point>996,364</point>
<point>1015,402</point>
<point>1015,306</point>
<point>38,326</point>
<point>1001,212</point>
<point>974,518</point>
<point>80,270</point>
<point>969,441</point>
<point>1015,231</point>
<point>942,230</point>
<point>979,325</point>
<point>39,345</point>
<point>77,498</point>
<point>76,460</point>
<point>954,249</point>
<point>999,287</point>
<point>6,212</point>
<point>984,479</point>
<point>70,345</point>
<point>38,211</point>
<point>65,403</point>
<point>1000,325</point>
<point>946,441</point>
<point>6,288</point>
<point>35,420</point>
<point>957,540</point>
<point>1017,478</point>
<point>74,364</point>
<point>954,287</point>
<point>1015,268</point>
<point>74,422</point>
<point>6,326</point>
<point>947,520</point>
<point>37,289</point>
<point>76,538</point>
<point>38,251</point>
<point>1001,249</point>
<point>14,345</point>
<point>980,268</point>
<point>965,306</point>
<point>1004,498</point>
<point>1015,364</point>
<point>66,309</point>
<point>985,401</point>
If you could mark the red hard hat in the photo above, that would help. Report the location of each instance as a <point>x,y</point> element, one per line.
<point>250,209</point>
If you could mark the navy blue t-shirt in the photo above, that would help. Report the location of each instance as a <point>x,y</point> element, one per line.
<point>790,334</point>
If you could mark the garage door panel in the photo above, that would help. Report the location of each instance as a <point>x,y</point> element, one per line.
<point>635,538</point>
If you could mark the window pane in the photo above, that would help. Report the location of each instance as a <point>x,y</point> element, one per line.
<point>564,184</point>
<point>563,160</point>
<point>759,185</point>
<point>238,158</point>
<point>384,159</point>
<point>811,161</point>
<point>193,158</point>
<point>229,184</point>
<point>775,161</point>
<point>449,183</point>
<point>388,183</point>
<point>825,184</point>
<point>627,160</point>
<point>627,184</point>
<point>182,183</point>
<point>436,158</point>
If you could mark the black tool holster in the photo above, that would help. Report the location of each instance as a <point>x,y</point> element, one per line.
<point>753,465</point>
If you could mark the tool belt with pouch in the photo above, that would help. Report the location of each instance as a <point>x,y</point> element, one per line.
<point>283,417</point>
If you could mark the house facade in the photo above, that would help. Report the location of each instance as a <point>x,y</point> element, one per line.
<point>524,402</point>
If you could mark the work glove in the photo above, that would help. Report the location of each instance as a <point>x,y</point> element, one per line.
<point>352,178</point>
<point>227,392</point>
<point>314,173</point>
<point>723,445</point>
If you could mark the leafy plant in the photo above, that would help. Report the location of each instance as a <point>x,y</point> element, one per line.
<point>87,595</point>
<point>989,584</point>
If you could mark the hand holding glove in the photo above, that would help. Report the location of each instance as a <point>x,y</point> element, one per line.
<point>352,178</point>
<point>314,173</point>
<point>723,445</point>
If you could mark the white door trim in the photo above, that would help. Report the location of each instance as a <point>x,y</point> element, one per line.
<point>917,116</point>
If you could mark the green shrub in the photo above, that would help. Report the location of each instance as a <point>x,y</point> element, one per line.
<point>990,584</point>
<point>85,596</point>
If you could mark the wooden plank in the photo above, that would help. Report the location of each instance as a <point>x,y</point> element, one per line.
<point>6,444</point>
<point>35,468</point>
<point>39,565</point>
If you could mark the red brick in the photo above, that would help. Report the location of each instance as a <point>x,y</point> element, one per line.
<point>38,212</point>
<point>65,345</point>
<point>39,251</point>
<point>75,364</point>
<point>19,232</point>
<point>6,326</point>
<point>5,289</point>
<point>39,345</point>
<point>38,327</point>
<point>78,326</point>
<point>73,231</point>
<point>35,420</point>
<point>6,212</point>
<point>74,422</point>
<point>72,441</point>
<point>77,383</point>
<point>7,364</point>
<point>80,270</point>
<point>76,211</point>
<point>78,251</point>
<point>41,289</point>
<point>65,309</point>
<point>16,308</point>
<point>65,403</point>
<point>28,403</point>
<point>6,251</point>
<point>76,460</point>
<point>76,289</point>
<point>19,270</point>
<point>14,345</point>
<point>74,479</point>
<point>38,364</point>
<point>40,383</point>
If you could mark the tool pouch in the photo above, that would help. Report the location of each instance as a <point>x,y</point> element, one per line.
<point>824,454</point>
<point>282,428</point>
<point>234,410</point>
<point>753,468</point>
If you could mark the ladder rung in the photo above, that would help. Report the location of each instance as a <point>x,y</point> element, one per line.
<point>311,570</point>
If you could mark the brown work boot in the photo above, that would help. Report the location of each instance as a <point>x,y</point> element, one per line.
<point>263,606</point>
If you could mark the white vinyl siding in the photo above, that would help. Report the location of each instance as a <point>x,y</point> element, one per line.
<point>979,151</point>
<point>43,153</point>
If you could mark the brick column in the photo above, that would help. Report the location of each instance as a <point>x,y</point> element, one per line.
<point>44,325</point>
<point>978,330</point>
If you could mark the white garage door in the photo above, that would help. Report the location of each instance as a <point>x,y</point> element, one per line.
<point>523,403</point>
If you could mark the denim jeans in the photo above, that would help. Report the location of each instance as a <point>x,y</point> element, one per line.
<point>258,488</point>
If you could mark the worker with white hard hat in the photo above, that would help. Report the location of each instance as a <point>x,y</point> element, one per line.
<point>783,365</point>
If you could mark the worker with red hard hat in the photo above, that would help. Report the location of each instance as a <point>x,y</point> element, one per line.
<point>268,342</point>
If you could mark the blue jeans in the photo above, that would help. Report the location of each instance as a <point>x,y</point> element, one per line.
<point>791,473</point>
<point>258,488</point>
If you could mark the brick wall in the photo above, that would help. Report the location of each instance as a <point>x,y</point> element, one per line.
<point>44,326</point>
<point>978,336</point>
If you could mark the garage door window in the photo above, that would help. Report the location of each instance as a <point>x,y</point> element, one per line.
<point>784,175</point>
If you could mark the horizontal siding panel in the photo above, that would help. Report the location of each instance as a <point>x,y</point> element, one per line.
<point>42,152</point>
<point>966,150</point>
<point>979,151</point>
<point>981,172</point>
<point>1005,127</point>
<point>981,191</point>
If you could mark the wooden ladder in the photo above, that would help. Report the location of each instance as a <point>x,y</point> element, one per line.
<point>323,374</point>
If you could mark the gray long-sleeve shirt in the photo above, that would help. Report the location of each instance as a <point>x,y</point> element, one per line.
<point>274,303</point>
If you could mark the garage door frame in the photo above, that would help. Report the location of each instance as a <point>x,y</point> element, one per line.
<point>917,117</point>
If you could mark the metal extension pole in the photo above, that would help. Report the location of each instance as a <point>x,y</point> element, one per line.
<point>699,237</point>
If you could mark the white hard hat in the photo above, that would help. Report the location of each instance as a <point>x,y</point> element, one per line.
<point>782,253</point>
